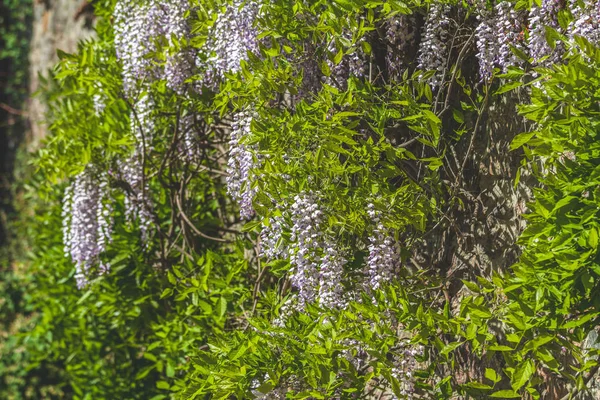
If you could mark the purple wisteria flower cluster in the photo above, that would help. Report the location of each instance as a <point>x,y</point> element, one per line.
<point>139,26</point>
<point>317,262</point>
<point>433,52</point>
<point>180,58</point>
<point>232,36</point>
<point>586,20</point>
<point>190,148</point>
<point>240,164</point>
<point>138,205</point>
<point>307,235</point>
<point>87,224</point>
<point>404,364</point>
<point>502,27</point>
<point>352,64</point>
<point>509,25</point>
<point>498,29</point>
<point>383,261</point>
<point>539,18</point>
<point>485,40</point>
<point>399,34</point>
<point>131,170</point>
<point>272,242</point>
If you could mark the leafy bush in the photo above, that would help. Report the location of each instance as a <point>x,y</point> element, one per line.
<point>239,196</point>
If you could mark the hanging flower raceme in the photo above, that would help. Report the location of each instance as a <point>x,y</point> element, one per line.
<point>383,261</point>
<point>541,17</point>
<point>399,34</point>
<point>180,60</point>
<point>509,28</point>
<point>487,45</point>
<point>87,224</point>
<point>316,259</point>
<point>434,48</point>
<point>353,64</point>
<point>138,204</point>
<point>241,163</point>
<point>586,20</point>
<point>307,236</point>
<point>137,26</point>
<point>230,39</point>
<point>272,245</point>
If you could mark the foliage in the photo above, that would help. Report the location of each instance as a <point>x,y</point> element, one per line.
<point>260,211</point>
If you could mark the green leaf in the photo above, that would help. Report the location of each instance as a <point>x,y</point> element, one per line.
<point>222,306</point>
<point>506,394</point>
<point>522,374</point>
<point>492,375</point>
<point>593,238</point>
<point>508,87</point>
<point>450,347</point>
<point>521,139</point>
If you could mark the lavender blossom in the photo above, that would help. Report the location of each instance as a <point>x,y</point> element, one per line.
<point>399,34</point>
<point>138,205</point>
<point>434,49</point>
<point>137,26</point>
<point>383,261</point>
<point>317,262</point>
<point>540,17</point>
<point>487,45</point>
<point>142,123</point>
<point>272,240</point>
<point>87,224</point>
<point>99,103</point>
<point>331,271</point>
<point>179,63</point>
<point>404,364</point>
<point>190,149</point>
<point>240,164</point>
<point>306,233</point>
<point>508,30</point>
<point>231,37</point>
<point>353,64</point>
<point>586,20</point>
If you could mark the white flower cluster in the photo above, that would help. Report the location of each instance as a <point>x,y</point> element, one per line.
<point>399,33</point>
<point>190,149</point>
<point>137,25</point>
<point>138,205</point>
<point>353,64</point>
<point>131,170</point>
<point>586,21</point>
<point>230,39</point>
<point>317,263</point>
<point>383,261</point>
<point>178,67</point>
<point>541,16</point>
<point>405,363</point>
<point>434,48</point>
<point>87,224</point>
<point>498,29</point>
<point>240,164</point>
<point>331,272</point>
<point>485,40</point>
<point>509,25</point>
<point>272,245</point>
<point>99,103</point>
